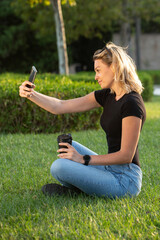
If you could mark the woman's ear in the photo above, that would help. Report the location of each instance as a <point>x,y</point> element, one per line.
<point>112,68</point>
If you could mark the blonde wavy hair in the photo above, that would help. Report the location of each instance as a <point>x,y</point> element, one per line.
<point>124,67</point>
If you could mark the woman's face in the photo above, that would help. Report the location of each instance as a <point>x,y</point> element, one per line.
<point>104,74</point>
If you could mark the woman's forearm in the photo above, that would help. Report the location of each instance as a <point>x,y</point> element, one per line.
<point>57,106</point>
<point>50,104</point>
<point>111,159</point>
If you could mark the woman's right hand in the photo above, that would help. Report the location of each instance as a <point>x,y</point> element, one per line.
<point>25,90</point>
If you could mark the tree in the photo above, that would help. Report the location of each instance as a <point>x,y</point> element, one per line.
<point>61,37</point>
<point>132,13</point>
<point>59,23</point>
<point>90,21</point>
<point>28,34</point>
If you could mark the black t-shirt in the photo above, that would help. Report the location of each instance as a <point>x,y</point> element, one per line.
<point>130,104</point>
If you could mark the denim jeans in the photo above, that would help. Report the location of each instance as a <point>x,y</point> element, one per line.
<point>110,181</point>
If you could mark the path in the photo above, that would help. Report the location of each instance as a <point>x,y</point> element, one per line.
<point>156,90</point>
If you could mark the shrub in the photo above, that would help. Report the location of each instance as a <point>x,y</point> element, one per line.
<point>147,83</point>
<point>155,75</point>
<point>20,115</point>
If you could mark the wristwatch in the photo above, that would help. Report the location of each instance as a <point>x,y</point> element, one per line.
<point>87,159</point>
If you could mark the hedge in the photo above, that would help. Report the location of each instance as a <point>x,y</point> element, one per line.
<point>21,115</point>
<point>155,75</point>
<point>147,83</point>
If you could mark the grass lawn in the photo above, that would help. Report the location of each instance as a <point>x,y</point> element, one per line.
<point>25,213</point>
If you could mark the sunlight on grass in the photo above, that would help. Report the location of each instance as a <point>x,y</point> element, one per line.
<point>153,109</point>
<point>27,214</point>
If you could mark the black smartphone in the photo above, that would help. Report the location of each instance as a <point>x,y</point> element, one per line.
<point>32,76</point>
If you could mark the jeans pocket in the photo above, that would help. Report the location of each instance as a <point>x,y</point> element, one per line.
<point>129,186</point>
<point>133,189</point>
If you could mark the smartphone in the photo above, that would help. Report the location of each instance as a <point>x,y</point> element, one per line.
<point>32,76</point>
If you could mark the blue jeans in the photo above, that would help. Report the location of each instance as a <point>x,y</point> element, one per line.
<point>110,181</point>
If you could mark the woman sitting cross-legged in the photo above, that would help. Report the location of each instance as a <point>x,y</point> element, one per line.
<point>79,169</point>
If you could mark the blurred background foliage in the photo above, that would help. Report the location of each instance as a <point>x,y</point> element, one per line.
<point>26,117</point>
<point>28,36</point>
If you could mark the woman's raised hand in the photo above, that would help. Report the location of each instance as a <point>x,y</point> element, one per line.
<point>26,89</point>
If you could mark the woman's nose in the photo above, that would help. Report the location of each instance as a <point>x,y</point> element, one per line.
<point>96,77</point>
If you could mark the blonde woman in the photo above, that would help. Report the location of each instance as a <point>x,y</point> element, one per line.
<point>116,173</point>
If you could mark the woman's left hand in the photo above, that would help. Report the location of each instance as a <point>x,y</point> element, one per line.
<point>70,153</point>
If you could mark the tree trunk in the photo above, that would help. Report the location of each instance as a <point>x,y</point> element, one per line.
<point>125,34</point>
<point>137,41</point>
<point>61,37</point>
<point>125,30</point>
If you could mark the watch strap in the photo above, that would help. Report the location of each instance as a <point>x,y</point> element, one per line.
<point>86,159</point>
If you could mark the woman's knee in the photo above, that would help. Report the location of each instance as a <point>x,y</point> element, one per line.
<point>58,166</point>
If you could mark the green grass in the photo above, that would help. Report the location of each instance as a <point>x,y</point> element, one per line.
<point>25,213</point>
